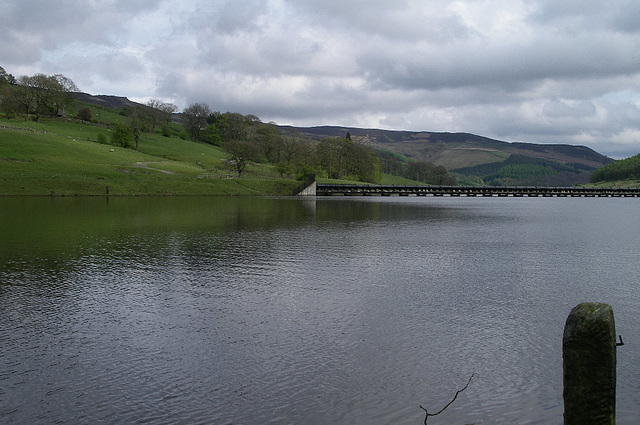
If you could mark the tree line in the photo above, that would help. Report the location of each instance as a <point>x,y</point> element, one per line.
<point>37,95</point>
<point>420,171</point>
<point>625,169</point>
<point>248,139</point>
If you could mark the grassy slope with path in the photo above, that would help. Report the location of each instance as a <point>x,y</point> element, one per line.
<point>63,158</point>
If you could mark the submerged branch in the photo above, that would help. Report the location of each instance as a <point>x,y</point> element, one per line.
<point>427,414</point>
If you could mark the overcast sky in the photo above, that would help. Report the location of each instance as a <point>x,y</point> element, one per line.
<point>542,71</point>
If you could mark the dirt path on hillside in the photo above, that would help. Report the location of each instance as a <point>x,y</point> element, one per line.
<point>145,165</point>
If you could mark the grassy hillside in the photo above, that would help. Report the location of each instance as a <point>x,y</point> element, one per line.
<point>63,157</point>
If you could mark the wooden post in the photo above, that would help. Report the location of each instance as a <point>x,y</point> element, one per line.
<point>589,365</point>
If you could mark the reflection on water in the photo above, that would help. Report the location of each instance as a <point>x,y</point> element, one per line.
<point>288,311</point>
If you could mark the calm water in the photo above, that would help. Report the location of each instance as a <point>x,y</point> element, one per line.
<point>284,311</point>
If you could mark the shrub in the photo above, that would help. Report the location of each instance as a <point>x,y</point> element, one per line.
<point>102,139</point>
<point>122,136</point>
<point>84,114</point>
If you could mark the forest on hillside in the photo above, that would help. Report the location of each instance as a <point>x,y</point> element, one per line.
<point>625,169</point>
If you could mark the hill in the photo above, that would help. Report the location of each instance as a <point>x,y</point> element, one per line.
<point>66,157</point>
<point>106,101</point>
<point>479,159</point>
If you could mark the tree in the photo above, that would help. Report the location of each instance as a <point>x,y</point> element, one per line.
<point>135,123</point>
<point>45,94</point>
<point>6,78</point>
<point>290,147</point>
<point>122,135</point>
<point>159,113</point>
<point>66,84</point>
<point>60,90</point>
<point>241,152</point>
<point>234,126</point>
<point>195,119</point>
<point>211,135</point>
<point>268,140</point>
<point>35,93</point>
<point>9,99</point>
<point>342,158</point>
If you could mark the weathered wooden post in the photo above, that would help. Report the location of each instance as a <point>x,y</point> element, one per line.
<point>589,365</point>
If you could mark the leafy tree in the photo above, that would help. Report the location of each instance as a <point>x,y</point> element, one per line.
<point>241,152</point>
<point>234,126</point>
<point>11,99</point>
<point>291,148</point>
<point>211,135</point>
<point>285,169</point>
<point>195,119</point>
<point>391,165</point>
<point>268,140</point>
<point>342,158</point>
<point>122,135</point>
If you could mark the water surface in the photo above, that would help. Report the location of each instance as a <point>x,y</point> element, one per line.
<point>289,311</point>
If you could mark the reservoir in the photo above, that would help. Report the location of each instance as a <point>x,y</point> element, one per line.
<point>338,310</point>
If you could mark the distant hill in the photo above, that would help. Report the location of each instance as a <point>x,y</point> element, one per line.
<point>114,102</point>
<point>480,159</point>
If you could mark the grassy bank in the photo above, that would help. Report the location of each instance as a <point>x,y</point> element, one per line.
<point>64,158</point>
<point>617,183</point>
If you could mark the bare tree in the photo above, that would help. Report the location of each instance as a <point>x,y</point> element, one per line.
<point>159,112</point>
<point>45,94</point>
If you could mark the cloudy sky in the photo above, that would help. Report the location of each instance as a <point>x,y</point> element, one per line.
<point>542,71</point>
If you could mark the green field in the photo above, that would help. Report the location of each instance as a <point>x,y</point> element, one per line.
<point>64,158</point>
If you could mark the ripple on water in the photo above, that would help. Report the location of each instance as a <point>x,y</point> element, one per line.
<point>332,321</point>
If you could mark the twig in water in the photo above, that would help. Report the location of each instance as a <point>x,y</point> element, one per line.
<point>427,414</point>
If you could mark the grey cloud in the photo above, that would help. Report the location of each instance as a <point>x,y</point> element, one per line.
<point>585,15</point>
<point>561,109</point>
<point>540,71</point>
<point>34,26</point>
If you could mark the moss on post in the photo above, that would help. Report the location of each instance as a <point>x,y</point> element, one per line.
<point>589,365</point>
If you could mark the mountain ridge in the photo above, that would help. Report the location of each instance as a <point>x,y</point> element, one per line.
<point>481,159</point>
<point>403,140</point>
